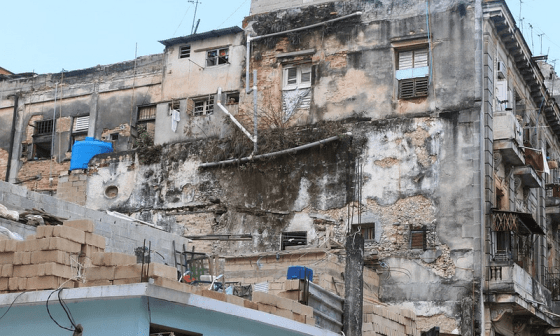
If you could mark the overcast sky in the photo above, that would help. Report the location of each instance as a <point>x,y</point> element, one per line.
<point>48,36</point>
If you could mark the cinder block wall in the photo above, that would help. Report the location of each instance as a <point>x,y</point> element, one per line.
<point>122,235</point>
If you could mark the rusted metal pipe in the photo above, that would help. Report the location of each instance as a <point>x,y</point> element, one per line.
<point>262,156</point>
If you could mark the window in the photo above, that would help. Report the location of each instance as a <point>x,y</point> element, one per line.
<point>146,112</point>
<point>217,57</point>
<point>80,128</point>
<point>297,77</point>
<point>114,136</point>
<point>297,238</point>
<point>185,51</point>
<point>367,231</point>
<point>203,106</point>
<point>232,98</point>
<point>418,239</point>
<point>44,127</point>
<point>412,73</point>
<point>42,139</point>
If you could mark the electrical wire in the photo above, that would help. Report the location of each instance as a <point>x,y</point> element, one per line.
<point>11,305</point>
<point>63,307</point>
<point>229,17</point>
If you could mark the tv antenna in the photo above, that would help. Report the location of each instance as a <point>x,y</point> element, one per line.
<point>540,36</point>
<point>195,2</point>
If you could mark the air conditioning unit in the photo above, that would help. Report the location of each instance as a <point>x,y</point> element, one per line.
<point>506,127</point>
<point>502,71</point>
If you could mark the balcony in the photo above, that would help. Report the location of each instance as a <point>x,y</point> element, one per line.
<point>553,202</point>
<point>511,287</point>
<point>508,137</point>
<point>528,176</point>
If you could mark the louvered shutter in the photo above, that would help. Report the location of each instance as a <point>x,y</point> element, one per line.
<point>81,124</point>
<point>420,58</point>
<point>405,60</point>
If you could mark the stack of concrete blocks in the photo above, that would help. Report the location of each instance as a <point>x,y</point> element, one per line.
<point>284,307</point>
<point>388,321</point>
<point>72,188</point>
<point>53,257</point>
<point>327,271</point>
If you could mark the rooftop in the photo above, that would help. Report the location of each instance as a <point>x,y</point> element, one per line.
<point>201,36</point>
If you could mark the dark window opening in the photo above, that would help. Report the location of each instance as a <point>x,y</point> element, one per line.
<point>44,127</point>
<point>114,136</point>
<point>42,150</point>
<point>175,105</point>
<point>503,243</point>
<point>159,330</point>
<point>217,57</point>
<point>297,238</point>
<point>418,239</point>
<point>413,88</point>
<point>232,98</point>
<point>204,106</point>
<point>367,230</point>
<point>185,51</point>
<point>146,112</point>
<point>24,149</point>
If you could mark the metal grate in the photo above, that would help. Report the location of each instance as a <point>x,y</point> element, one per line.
<point>297,238</point>
<point>413,88</point>
<point>44,127</point>
<point>204,107</point>
<point>418,239</point>
<point>146,112</point>
<point>81,124</point>
<point>185,51</point>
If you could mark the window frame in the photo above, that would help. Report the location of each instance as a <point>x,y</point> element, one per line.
<point>413,50</point>
<point>43,139</point>
<point>367,230</point>
<point>286,235</point>
<point>301,69</point>
<point>413,77</point>
<point>208,104</point>
<point>182,52</point>
<point>151,117</point>
<point>217,59</point>
<point>414,232</point>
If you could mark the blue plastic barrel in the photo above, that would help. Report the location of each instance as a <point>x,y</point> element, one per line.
<point>84,151</point>
<point>299,272</point>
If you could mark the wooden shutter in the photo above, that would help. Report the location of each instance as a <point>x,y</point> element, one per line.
<point>81,124</point>
<point>418,239</point>
<point>413,87</point>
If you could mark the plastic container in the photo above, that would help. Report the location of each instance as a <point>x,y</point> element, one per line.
<point>299,272</point>
<point>84,151</point>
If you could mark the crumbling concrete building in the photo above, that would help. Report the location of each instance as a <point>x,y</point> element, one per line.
<point>427,126</point>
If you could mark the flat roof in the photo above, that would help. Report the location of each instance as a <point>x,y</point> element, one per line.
<point>201,36</point>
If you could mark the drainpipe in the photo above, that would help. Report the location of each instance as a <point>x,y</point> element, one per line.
<point>250,38</point>
<point>479,90</point>
<point>255,110</point>
<point>12,137</point>
<point>219,104</point>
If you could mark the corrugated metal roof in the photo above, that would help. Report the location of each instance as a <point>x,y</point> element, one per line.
<point>201,36</point>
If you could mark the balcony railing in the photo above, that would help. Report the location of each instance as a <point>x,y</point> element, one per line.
<point>552,282</point>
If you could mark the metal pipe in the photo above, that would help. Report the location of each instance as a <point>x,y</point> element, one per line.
<point>255,111</point>
<point>219,103</point>
<point>249,39</point>
<point>12,137</point>
<point>285,151</point>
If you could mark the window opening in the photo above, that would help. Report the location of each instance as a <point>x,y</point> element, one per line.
<point>297,77</point>
<point>81,124</point>
<point>232,98</point>
<point>203,106</point>
<point>367,230</point>
<point>44,127</point>
<point>114,136</point>
<point>412,73</point>
<point>297,238</point>
<point>185,51</point>
<point>217,57</point>
<point>413,59</point>
<point>418,239</point>
<point>146,112</point>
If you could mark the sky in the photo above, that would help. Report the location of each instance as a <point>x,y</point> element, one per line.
<point>48,36</point>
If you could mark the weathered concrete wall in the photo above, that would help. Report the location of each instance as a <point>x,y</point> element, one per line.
<point>122,235</point>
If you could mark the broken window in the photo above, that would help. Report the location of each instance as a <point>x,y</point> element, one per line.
<point>185,51</point>
<point>367,230</point>
<point>217,56</point>
<point>412,72</point>
<point>232,98</point>
<point>418,238</point>
<point>146,112</point>
<point>80,128</point>
<point>296,89</point>
<point>42,139</point>
<point>296,238</point>
<point>203,106</point>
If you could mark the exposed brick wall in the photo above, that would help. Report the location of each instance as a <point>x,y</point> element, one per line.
<point>46,168</point>
<point>197,225</point>
<point>72,188</point>
<point>3,163</point>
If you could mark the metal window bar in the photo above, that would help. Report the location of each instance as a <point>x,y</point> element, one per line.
<point>297,238</point>
<point>44,127</point>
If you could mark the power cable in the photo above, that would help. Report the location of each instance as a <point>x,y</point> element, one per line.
<point>63,307</point>
<point>229,17</point>
<point>180,23</point>
<point>11,305</point>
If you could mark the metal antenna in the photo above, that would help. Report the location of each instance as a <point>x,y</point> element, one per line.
<point>195,2</point>
<point>540,36</point>
<point>532,44</point>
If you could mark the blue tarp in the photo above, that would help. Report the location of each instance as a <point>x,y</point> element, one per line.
<point>84,151</point>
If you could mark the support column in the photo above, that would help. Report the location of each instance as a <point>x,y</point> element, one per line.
<point>354,285</point>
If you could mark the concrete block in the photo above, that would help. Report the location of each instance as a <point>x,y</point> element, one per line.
<point>89,250</point>
<point>44,231</point>
<point>17,284</point>
<point>267,308</point>
<point>45,282</point>
<point>251,304</point>
<point>291,285</point>
<point>2,245</point>
<point>70,233</point>
<point>85,225</point>
<point>213,295</point>
<point>118,259</point>
<point>25,271</point>
<point>309,320</point>
<point>101,273</point>
<point>97,258</point>
<point>95,240</point>
<point>11,246</point>
<point>59,257</point>
<point>262,297</point>
<point>127,272</point>
<point>306,310</point>
<point>62,244</point>
<point>22,258</point>
<point>4,284</point>
<point>159,270</point>
<point>176,285</point>
<point>284,313</point>
<point>7,258</point>
<point>6,271</point>
<point>31,237</point>
<point>58,270</point>
<point>236,300</point>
